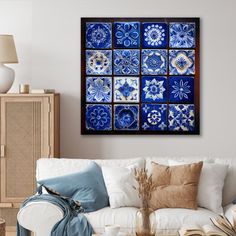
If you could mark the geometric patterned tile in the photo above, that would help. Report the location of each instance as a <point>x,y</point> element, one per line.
<point>182,35</point>
<point>98,89</point>
<point>98,62</point>
<point>181,89</point>
<point>126,117</point>
<point>98,117</point>
<point>154,35</point>
<point>98,35</point>
<point>126,62</point>
<point>154,89</point>
<point>182,62</point>
<point>154,117</point>
<point>126,89</point>
<point>127,34</point>
<point>154,62</point>
<point>181,117</point>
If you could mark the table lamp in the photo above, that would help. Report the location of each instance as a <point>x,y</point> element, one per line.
<point>7,55</point>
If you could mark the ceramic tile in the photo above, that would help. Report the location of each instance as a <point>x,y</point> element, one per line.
<point>181,117</point>
<point>154,35</point>
<point>98,89</point>
<point>154,89</point>
<point>98,35</point>
<point>126,117</point>
<point>154,62</point>
<point>127,34</point>
<point>181,89</point>
<point>182,62</point>
<point>98,117</point>
<point>126,89</point>
<point>126,62</point>
<point>182,35</point>
<point>98,62</point>
<point>154,117</point>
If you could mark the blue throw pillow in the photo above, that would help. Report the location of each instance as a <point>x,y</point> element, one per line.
<point>86,187</point>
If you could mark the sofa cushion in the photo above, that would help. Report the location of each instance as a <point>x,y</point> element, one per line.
<point>210,185</point>
<point>86,186</point>
<point>53,167</point>
<point>170,220</point>
<point>120,183</point>
<point>175,186</point>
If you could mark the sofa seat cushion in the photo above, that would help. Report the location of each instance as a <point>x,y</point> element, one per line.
<point>170,220</point>
<point>124,216</point>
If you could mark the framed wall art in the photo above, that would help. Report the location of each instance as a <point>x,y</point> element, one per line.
<point>140,75</point>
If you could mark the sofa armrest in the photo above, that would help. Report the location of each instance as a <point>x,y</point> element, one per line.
<point>230,212</point>
<point>39,217</point>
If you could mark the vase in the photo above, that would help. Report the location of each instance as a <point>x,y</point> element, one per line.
<point>145,222</point>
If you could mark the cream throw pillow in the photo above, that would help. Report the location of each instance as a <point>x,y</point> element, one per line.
<point>210,186</point>
<point>120,184</point>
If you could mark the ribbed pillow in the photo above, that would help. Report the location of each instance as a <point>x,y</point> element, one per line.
<point>175,186</point>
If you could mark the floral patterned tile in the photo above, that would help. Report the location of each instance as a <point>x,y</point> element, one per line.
<point>154,89</point>
<point>126,61</point>
<point>181,117</point>
<point>181,89</point>
<point>127,34</point>
<point>182,62</point>
<point>154,117</point>
<point>154,35</point>
<point>98,62</point>
<point>98,89</point>
<point>98,35</point>
<point>126,89</point>
<point>182,35</point>
<point>98,117</point>
<point>154,62</point>
<point>126,117</point>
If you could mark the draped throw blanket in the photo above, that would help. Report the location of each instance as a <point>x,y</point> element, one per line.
<point>74,223</point>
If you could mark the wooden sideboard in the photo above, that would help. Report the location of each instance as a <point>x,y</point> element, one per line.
<point>29,130</point>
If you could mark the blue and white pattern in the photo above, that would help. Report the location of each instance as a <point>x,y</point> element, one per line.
<point>154,89</point>
<point>154,62</point>
<point>182,62</point>
<point>181,89</point>
<point>154,35</point>
<point>126,117</point>
<point>98,62</point>
<point>98,35</point>
<point>126,62</point>
<point>127,34</point>
<point>181,117</point>
<point>154,117</point>
<point>126,89</point>
<point>98,89</point>
<point>98,117</point>
<point>182,35</point>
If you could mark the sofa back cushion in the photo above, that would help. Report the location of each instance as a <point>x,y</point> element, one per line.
<point>53,167</point>
<point>175,186</point>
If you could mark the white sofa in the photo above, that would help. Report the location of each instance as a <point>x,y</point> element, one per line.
<point>40,217</point>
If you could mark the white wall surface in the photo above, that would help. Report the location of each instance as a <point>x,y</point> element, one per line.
<point>16,19</point>
<point>56,64</point>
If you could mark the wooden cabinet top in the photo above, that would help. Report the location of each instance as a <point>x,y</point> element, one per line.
<point>28,94</point>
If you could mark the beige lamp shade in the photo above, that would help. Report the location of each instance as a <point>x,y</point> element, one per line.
<point>7,49</point>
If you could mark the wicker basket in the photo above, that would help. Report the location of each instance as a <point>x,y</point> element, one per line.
<point>2,227</point>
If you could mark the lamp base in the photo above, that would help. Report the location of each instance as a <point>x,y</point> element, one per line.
<point>7,76</point>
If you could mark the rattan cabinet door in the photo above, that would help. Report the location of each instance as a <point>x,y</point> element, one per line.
<point>24,139</point>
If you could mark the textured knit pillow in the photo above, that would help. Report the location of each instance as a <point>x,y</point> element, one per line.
<point>210,186</point>
<point>86,187</point>
<point>176,186</point>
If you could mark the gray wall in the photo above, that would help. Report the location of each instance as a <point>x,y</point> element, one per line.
<point>56,64</point>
